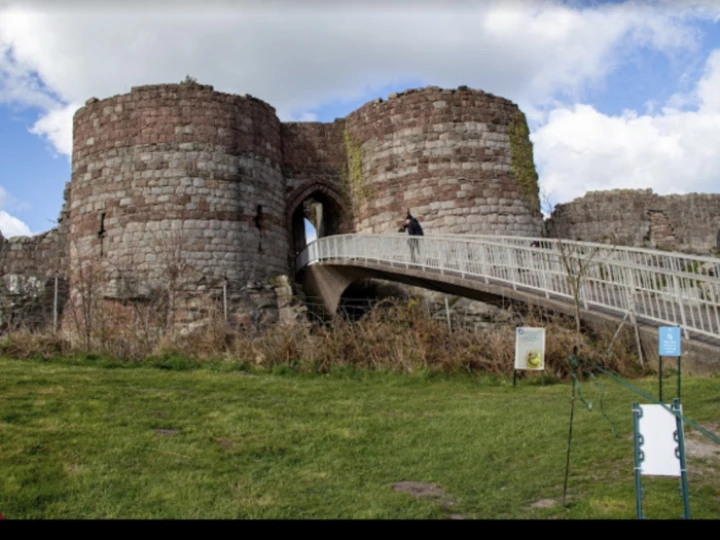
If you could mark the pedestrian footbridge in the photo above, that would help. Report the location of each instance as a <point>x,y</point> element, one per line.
<point>646,287</point>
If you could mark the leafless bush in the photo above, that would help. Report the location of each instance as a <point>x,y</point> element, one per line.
<point>393,336</point>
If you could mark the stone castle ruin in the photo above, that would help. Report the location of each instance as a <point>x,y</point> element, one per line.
<point>189,198</point>
<point>180,193</point>
<point>640,218</point>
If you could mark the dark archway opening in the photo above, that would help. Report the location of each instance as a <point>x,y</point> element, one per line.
<point>315,216</point>
<point>362,296</point>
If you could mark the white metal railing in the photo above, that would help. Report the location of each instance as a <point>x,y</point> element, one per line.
<point>663,287</point>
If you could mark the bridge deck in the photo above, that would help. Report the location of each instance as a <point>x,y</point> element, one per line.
<point>657,288</point>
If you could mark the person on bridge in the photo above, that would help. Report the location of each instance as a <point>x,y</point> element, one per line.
<point>414,229</point>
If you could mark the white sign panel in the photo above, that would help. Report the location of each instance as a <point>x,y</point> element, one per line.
<point>529,348</point>
<point>657,426</point>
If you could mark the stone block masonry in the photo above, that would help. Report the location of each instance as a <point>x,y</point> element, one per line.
<point>179,169</point>
<point>180,186</point>
<point>641,218</point>
<point>444,154</point>
<point>29,267</point>
<point>181,179</point>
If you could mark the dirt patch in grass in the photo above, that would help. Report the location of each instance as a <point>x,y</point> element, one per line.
<point>167,432</point>
<point>699,448</point>
<point>424,490</point>
<point>544,503</point>
<point>225,444</point>
<point>698,445</point>
<point>702,449</point>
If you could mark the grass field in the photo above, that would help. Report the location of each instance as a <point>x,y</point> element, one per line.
<point>78,441</point>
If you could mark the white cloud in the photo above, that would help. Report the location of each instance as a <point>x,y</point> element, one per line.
<point>18,83</point>
<point>298,58</point>
<point>671,151</point>
<point>56,126</point>
<point>11,226</point>
<point>538,53</point>
<point>708,89</point>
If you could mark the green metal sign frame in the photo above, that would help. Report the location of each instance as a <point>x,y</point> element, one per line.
<point>679,437</point>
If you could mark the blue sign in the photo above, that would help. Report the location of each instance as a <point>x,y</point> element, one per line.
<point>669,341</point>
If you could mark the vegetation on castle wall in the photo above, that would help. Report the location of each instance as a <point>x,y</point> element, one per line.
<point>353,181</point>
<point>344,186</point>
<point>523,167</point>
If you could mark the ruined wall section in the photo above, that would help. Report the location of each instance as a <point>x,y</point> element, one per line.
<point>313,154</point>
<point>444,154</point>
<point>617,216</point>
<point>315,164</point>
<point>170,169</point>
<point>641,218</point>
<point>695,221</point>
<point>42,255</point>
<point>29,266</point>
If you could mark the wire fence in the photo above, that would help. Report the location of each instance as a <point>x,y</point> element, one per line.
<point>32,302</point>
<point>47,305</point>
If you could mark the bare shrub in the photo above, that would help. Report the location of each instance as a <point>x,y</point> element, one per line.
<point>397,336</point>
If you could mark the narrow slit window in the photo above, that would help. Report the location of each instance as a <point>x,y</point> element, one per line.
<point>102,232</point>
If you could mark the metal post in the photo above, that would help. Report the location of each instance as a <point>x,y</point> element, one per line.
<point>680,453</point>
<point>447,313</point>
<point>678,378</point>
<point>679,299</point>
<point>637,335</point>
<point>55,306</point>
<point>567,459</point>
<point>639,456</point>
<point>660,377</point>
<point>543,273</point>
<point>225,300</point>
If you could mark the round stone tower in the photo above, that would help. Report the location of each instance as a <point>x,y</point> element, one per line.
<point>460,160</point>
<point>177,183</point>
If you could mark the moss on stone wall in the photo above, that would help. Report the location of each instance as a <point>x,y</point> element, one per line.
<point>523,166</point>
<point>345,186</point>
<point>353,179</point>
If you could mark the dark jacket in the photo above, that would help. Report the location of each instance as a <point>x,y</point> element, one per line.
<point>414,228</point>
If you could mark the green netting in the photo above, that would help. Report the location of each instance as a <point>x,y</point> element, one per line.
<point>576,361</point>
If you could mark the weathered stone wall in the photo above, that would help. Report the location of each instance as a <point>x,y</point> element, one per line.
<point>641,218</point>
<point>28,268</point>
<point>314,161</point>
<point>313,155</point>
<point>185,184</point>
<point>695,221</point>
<point>43,255</point>
<point>40,255</point>
<point>173,172</point>
<point>445,155</point>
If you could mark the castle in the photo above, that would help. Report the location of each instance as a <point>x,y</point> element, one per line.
<point>181,170</point>
<point>207,190</point>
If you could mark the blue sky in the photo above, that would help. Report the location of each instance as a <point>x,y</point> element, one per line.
<point>618,94</point>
